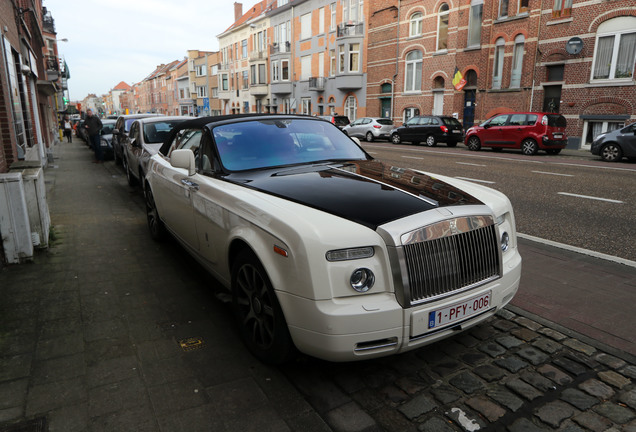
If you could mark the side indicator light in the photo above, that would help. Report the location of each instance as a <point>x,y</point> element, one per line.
<point>280,251</point>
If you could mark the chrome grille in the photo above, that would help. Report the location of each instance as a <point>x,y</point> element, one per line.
<point>452,261</point>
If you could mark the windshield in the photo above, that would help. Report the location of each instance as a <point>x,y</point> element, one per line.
<point>269,143</point>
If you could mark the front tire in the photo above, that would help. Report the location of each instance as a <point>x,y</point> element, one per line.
<point>257,311</point>
<point>156,227</point>
<point>395,139</point>
<point>473,143</point>
<point>529,147</point>
<point>369,137</point>
<point>611,153</point>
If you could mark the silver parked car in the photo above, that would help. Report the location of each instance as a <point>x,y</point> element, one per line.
<point>370,128</point>
<point>144,140</point>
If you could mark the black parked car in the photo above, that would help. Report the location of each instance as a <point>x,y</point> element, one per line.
<point>122,127</point>
<point>429,129</point>
<point>613,146</point>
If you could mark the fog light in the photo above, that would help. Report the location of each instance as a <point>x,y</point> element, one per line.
<point>362,280</point>
<point>505,241</point>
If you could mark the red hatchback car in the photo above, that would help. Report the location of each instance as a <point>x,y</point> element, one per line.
<point>528,131</point>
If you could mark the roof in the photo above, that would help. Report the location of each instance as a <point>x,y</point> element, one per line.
<point>122,86</point>
<point>256,10</point>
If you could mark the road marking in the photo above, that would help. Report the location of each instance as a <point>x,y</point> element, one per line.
<point>471,164</point>
<point>594,166</point>
<point>475,180</point>
<point>551,173</point>
<point>590,197</point>
<point>578,250</point>
<point>413,157</point>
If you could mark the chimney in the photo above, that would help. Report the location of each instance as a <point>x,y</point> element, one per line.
<point>238,11</point>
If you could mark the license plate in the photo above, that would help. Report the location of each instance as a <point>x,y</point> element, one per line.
<point>456,131</point>
<point>558,135</point>
<point>459,311</point>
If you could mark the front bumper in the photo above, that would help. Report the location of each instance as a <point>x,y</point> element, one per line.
<point>375,325</point>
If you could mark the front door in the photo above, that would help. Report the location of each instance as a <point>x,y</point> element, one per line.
<point>469,108</point>
<point>386,108</point>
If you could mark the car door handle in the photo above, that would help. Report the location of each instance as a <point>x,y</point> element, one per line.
<point>190,184</point>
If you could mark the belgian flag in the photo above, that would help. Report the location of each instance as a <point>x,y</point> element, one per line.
<point>458,80</point>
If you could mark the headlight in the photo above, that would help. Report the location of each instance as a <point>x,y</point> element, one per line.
<point>104,143</point>
<point>362,280</point>
<point>349,254</point>
<point>505,241</point>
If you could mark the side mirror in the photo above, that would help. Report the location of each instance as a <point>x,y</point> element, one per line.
<point>184,159</point>
<point>486,126</point>
<point>355,140</point>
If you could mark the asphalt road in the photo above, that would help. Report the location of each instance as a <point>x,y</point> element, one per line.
<point>573,198</point>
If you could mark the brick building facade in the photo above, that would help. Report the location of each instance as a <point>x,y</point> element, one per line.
<point>515,55</point>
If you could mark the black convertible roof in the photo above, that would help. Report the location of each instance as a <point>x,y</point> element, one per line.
<point>200,122</point>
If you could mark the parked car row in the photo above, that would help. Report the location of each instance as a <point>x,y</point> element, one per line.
<point>322,248</point>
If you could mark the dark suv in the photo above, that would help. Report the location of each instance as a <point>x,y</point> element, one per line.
<point>528,131</point>
<point>122,127</point>
<point>429,129</point>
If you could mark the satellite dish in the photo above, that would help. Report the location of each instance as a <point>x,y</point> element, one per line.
<point>574,45</point>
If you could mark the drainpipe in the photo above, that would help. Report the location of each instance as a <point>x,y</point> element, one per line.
<point>534,63</point>
<point>397,59</point>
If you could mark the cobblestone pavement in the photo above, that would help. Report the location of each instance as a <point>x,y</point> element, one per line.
<point>109,331</point>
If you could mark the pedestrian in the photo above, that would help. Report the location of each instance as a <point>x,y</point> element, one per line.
<point>68,129</point>
<point>93,126</point>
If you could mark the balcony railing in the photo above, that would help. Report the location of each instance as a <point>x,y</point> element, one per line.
<point>258,55</point>
<point>281,47</point>
<point>317,83</point>
<point>351,29</point>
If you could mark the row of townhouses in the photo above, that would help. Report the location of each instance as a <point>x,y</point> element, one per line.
<point>382,58</point>
<point>399,58</point>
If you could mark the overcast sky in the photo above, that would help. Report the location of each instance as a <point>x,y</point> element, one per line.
<point>125,40</point>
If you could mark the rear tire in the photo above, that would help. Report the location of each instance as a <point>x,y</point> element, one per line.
<point>157,229</point>
<point>529,147</point>
<point>257,311</point>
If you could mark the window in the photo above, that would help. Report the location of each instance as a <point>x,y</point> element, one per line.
<point>498,63</point>
<point>254,78</point>
<point>245,79</point>
<point>415,24</point>
<point>413,72</point>
<point>262,75</point>
<point>503,8</point>
<point>305,67</point>
<point>341,58</point>
<point>244,48</point>
<point>321,20</point>
<point>305,106</point>
<point>321,64</point>
<point>275,71</point>
<point>555,72</point>
<point>305,26</point>
<point>438,96</point>
<point>284,70</point>
<point>351,108</point>
<point>354,57</point>
<point>523,7</point>
<point>474,23</point>
<point>442,27</point>
<point>332,62</point>
<point>352,10</point>
<point>615,49</point>
<point>202,91</point>
<point>332,9</point>
<point>517,62</point>
<point>562,8</point>
<point>410,113</point>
